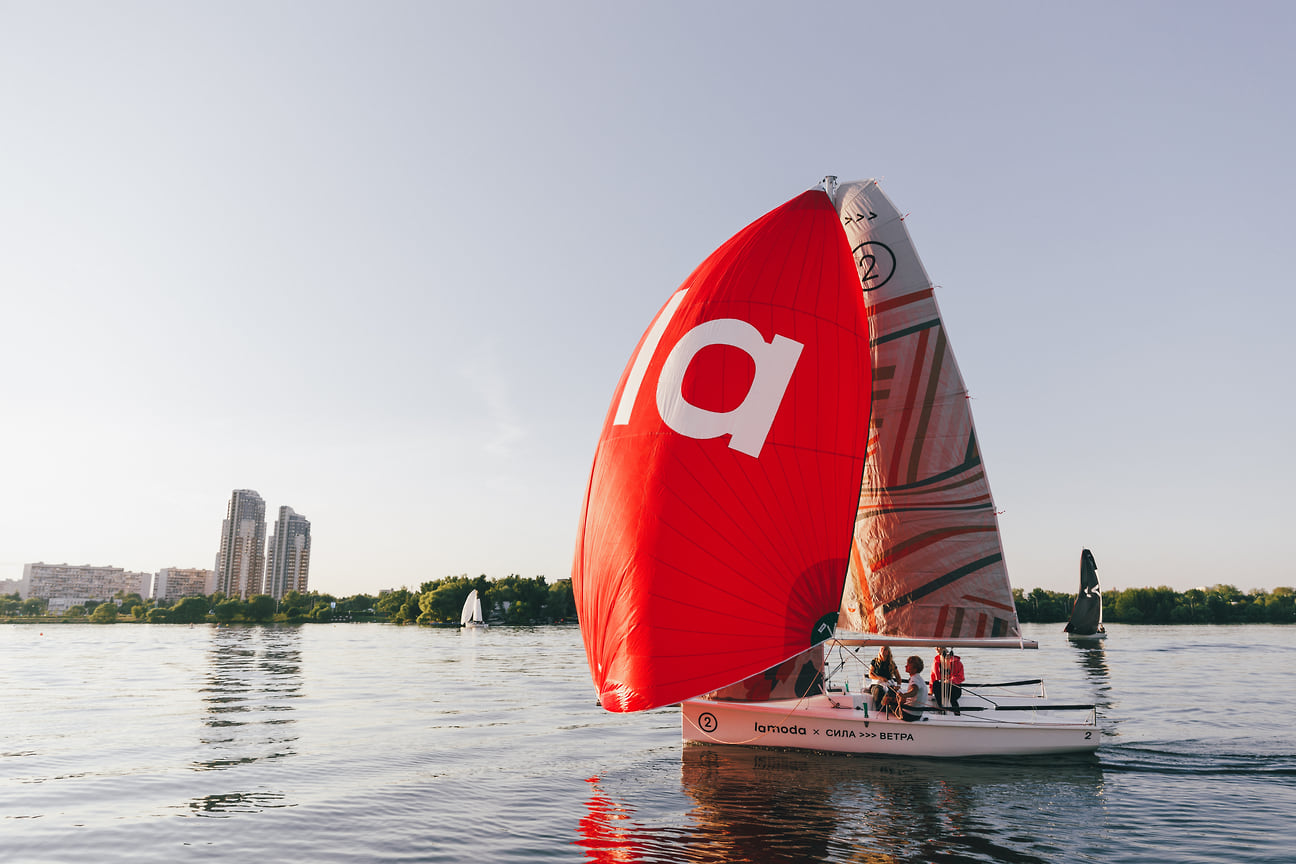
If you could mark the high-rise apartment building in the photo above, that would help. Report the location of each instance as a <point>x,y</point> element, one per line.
<point>240,563</point>
<point>288,561</point>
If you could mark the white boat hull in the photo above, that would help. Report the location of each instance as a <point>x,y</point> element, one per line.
<point>843,723</point>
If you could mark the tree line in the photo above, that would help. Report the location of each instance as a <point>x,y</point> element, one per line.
<point>1218,604</point>
<point>510,600</point>
<point>517,600</point>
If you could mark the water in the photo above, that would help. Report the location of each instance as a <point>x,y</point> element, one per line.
<point>360,742</point>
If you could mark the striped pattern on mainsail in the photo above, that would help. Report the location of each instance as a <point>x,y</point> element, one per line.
<point>926,560</point>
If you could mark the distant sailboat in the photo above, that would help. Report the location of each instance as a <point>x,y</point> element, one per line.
<point>471,617</point>
<point>1086,615</point>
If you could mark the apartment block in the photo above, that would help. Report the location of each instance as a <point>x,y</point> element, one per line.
<point>66,585</point>
<point>175,583</point>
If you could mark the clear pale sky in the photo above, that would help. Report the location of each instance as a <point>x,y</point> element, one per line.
<point>385,262</point>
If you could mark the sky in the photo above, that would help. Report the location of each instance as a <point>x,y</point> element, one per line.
<point>384,263</point>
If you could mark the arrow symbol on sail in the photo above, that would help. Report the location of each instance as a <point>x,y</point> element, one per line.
<point>870,218</point>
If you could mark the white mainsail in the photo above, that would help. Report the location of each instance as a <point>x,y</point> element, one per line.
<point>472,610</point>
<point>926,560</point>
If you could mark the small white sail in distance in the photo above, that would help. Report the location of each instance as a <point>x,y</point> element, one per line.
<point>472,611</point>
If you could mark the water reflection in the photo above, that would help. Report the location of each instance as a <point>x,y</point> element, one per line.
<point>254,674</point>
<point>768,806</point>
<point>224,806</point>
<point>1093,660</point>
<point>787,806</point>
<point>606,832</point>
<point>759,805</point>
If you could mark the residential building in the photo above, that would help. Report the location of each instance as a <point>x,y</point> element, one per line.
<point>175,583</point>
<point>288,560</point>
<point>240,563</point>
<point>65,585</point>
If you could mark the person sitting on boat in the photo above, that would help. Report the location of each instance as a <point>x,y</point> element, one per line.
<point>913,698</point>
<point>947,679</point>
<point>884,675</point>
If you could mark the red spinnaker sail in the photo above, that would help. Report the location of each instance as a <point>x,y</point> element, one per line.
<point>717,524</point>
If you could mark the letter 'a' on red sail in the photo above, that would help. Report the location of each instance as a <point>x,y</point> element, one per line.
<point>717,525</point>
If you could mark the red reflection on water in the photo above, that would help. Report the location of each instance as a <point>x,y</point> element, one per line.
<point>605,830</point>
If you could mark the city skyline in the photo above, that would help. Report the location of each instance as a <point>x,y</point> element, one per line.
<point>245,567</point>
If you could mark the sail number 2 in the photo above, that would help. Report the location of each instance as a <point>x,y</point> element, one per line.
<point>749,423</point>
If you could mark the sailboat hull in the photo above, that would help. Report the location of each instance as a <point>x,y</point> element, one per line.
<point>842,723</point>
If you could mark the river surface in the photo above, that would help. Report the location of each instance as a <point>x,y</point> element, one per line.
<point>371,742</point>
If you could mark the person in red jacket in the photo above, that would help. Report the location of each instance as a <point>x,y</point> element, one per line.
<point>947,679</point>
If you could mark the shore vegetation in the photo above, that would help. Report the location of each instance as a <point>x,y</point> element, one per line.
<point>515,600</point>
<point>1218,604</point>
<point>511,600</point>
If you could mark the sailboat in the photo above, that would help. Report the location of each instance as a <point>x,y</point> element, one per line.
<point>788,472</point>
<point>471,616</point>
<point>1086,614</point>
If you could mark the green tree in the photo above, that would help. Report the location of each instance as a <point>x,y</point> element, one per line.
<point>1126,606</point>
<point>157,616</point>
<point>1280,606</point>
<point>522,601</point>
<point>11,604</point>
<point>561,604</point>
<point>295,603</point>
<point>228,610</point>
<point>77,611</point>
<point>190,610</point>
<point>104,613</point>
<point>360,603</point>
<point>260,608</point>
<point>408,613</point>
<point>1194,600</point>
<point>127,602</point>
<point>392,604</point>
